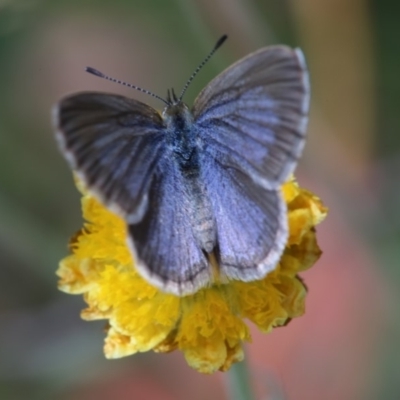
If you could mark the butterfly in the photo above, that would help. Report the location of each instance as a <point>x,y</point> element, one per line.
<point>199,188</point>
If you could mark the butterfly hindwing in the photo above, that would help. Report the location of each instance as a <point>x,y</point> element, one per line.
<point>253,115</point>
<point>114,143</point>
<point>164,242</point>
<point>250,222</point>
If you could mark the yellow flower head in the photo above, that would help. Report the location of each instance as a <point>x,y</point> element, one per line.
<point>208,326</point>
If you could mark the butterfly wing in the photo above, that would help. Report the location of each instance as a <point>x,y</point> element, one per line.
<point>251,222</point>
<point>251,123</point>
<point>164,239</point>
<point>117,146</point>
<point>253,116</point>
<point>114,143</point>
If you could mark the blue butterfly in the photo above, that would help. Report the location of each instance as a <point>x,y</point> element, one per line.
<point>198,188</point>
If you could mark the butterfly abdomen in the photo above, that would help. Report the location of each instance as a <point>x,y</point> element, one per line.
<point>199,212</point>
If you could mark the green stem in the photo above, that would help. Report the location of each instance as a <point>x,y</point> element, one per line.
<point>239,382</point>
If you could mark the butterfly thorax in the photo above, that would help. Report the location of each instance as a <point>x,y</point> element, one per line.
<point>181,141</point>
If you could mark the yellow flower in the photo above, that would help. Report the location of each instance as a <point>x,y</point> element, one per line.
<point>208,326</point>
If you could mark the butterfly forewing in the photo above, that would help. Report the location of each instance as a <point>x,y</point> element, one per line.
<point>253,115</point>
<point>114,143</point>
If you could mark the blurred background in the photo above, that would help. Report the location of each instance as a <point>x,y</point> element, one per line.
<point>347,344</point>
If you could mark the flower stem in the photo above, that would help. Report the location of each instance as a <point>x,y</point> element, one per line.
<point>239,382</point>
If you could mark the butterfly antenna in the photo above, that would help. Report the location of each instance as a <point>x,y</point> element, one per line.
<point>101,75</point>
<point>217,45</point>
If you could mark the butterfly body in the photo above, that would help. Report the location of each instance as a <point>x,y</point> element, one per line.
<point>185,149</point>
<point>190,182</point>
<point>179,134</point>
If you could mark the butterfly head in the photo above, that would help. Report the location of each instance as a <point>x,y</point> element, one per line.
<point>176,113</point>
